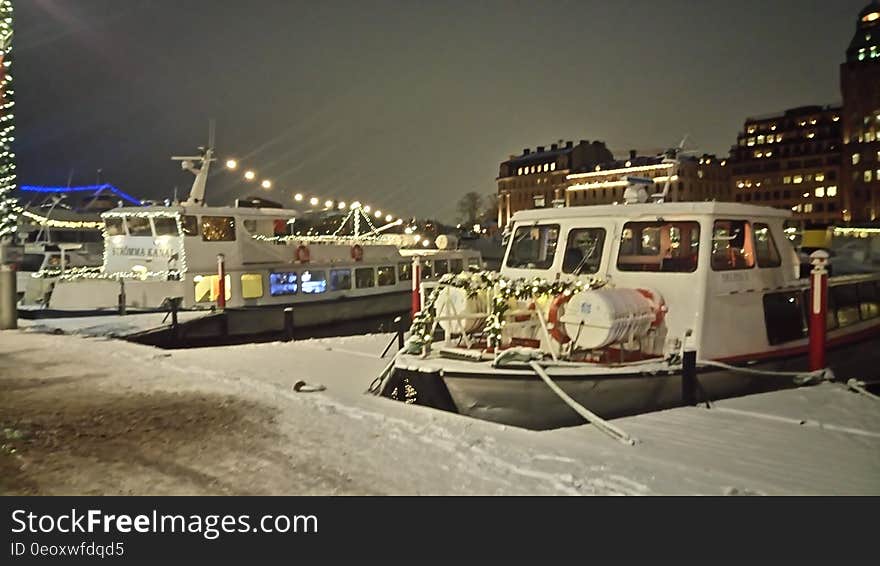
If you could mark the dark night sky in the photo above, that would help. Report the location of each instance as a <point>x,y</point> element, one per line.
<point>404,105</point>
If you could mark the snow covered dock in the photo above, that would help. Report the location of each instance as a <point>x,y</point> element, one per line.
<point>85,415</point>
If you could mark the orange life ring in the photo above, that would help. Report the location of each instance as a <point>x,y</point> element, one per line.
<point>658,303</point>
<point>302,254</point>
<point>357,252</point>
<point>557,331</point>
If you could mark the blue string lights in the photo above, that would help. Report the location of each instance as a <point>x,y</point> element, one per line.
<point>86,188</point>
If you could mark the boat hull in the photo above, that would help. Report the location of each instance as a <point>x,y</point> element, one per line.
<point>514,395</point>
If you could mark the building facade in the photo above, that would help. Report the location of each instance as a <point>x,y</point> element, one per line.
<point>792,160</point>
<point>537,179</point>
<point>683,179</point>
<point>860,87</point>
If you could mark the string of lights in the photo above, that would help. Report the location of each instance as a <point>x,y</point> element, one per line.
<point>250,176</point>
<point>8,205</point>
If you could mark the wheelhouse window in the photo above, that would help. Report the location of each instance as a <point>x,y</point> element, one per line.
<point>583,250</point>
<point>427,269</point>
<point>671,247</point>
<point>385,275</point>
<point>404,271</point>
<point>218,228</point>
<point>533,247</point>
<point>190,225</point>
<point>283,283</point>
<point>139,226</point>
<point>456,265</point>
<point>364,277</point>
<point>165,226</point>
<point>115,226</point>
<point>340,279</point>
<point>441,267</point>
<point>732,245</point>
<point>765,247</point>
<point>313,282</point>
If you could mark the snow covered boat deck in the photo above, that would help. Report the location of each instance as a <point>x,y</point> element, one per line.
<point>138,420</point>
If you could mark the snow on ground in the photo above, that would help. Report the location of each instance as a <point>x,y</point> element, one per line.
<point>107,325</point>
<point>98,416</point>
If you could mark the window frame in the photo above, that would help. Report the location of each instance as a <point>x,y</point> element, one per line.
<point>551,257</point>
<point>775,249</point>
<point>601,248</point>
<point>659,224</point>
<point>747,238</point>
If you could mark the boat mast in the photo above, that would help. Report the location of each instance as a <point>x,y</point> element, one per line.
<point>188,163</point>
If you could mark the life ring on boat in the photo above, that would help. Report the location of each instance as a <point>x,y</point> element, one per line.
<point>557,331</point>
<point>357,252</point>
<point>658,305</point>
<point>302,254</point>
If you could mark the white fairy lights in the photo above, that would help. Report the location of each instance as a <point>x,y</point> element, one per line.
<point>9,208</point>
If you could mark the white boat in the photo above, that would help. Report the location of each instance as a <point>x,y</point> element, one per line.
<point>156,253</point>
<point>607,300</point>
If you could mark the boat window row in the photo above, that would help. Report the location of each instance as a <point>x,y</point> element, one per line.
<point>647,246</point>
<point>786,313</point>
<point>211,228</point>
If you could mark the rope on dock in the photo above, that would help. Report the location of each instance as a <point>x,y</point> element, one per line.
<point>800,377</point>
<point>859,387</point>
<point>592,418</point>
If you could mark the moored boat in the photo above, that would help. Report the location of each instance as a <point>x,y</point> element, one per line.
<point>607,300</point>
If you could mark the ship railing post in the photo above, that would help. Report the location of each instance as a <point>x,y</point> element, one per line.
<point>288,324</point>
<point>121,298</point>
<point>221,286</point>
<point>689,377</point>
<point>416,285</point>
<point>398,321</point>
<point>818,308</point>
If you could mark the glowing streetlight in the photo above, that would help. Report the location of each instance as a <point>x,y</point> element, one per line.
<point>378,214</point>
<point>341,204</point>
<point>426,243</point>
<point>388,218</point>
<point>249,175</point>
<point>298,197</point>
<point>231,164</point>
<point>313,201</point>
<point>266,184</point>
<point>328,203</point>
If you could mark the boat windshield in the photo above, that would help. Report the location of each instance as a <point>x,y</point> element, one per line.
<point>533,247</point>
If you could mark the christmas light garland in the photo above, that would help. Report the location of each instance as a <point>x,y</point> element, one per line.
<point>8,204</point>
<point>503,292</point>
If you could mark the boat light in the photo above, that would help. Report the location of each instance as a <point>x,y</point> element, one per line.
<point>249,175</point>
<point>298,197</point>
<point>378,214</point>
<point>388,218</point>
<point>313,201</point>
<point>231,164</point>
<point>266,184</point>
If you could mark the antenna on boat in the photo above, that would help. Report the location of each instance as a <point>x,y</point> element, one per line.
<point>670,156</point>
<point>188,163</point>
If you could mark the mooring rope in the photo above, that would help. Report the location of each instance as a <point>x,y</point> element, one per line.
<point>800,377</point>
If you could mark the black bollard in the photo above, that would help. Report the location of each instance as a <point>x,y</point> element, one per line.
<point>121,297</point>
<point>689,377</point>
<point>288,324</point>
<point>399,323</point>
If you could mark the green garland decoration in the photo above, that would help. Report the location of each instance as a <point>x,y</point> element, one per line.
<point>502,290</point>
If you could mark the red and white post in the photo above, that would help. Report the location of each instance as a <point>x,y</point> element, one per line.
<point>416,285</point>
<point>221,281</point>
<point>818,308</point>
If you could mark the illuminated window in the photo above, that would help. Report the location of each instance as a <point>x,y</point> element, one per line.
<point>313,282</point>
<point>760,139</point>
<point>811,135</point>
<point>218,228</point>
<point>283,283</point>
<point>759,154</point>
<point>519,171</point>
<point>546,167</point>
<point>207,288</point>
<point>855,158</point>
<point>820,177</point>
<point>740,184</point>
<point>768,154</point>
<point>802,123</point>
<point>813,122</point>
<point>251,285</point>
<point>868,176</point>
<point>532,170</point>
<point>798,179</point>
<point>869,136</point>
<point>553,166</point>
<point>732,245</point>
<point>750,142</point>
<point>765,247</point>
<point>820,191</point>
<point>786,180</point>
<point>772,127</point>
<point>835,119</point>
<point>779,137</point>
<point>872,17</point>
<point>831,191</point>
